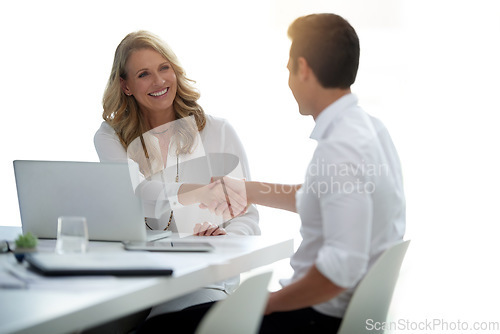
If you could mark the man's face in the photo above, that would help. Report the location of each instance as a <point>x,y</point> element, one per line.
<point>296,85</point>
<point>293,80</point>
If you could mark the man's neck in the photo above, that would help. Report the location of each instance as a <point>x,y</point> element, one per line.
<point>326,97</point>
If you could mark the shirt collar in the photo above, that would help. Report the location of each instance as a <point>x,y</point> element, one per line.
<point>330,113</point>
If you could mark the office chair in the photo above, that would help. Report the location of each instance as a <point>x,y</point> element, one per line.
<point>241,312</point>
<point>372,297</point>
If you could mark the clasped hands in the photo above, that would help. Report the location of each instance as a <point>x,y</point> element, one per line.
<point>224,196</point>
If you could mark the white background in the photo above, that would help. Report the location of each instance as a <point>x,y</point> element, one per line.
<point>429,70</point>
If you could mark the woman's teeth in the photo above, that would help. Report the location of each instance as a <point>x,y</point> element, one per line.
<point>159,93</point>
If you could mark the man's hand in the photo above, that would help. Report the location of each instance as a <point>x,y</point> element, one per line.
<point>225,196</point>
<point>235,197</point>
<point>312,289</point>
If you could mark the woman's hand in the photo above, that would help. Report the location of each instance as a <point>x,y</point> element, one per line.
<point>235,197</point>
<point>208,229</point>
<point>228,201</point>
<point>225,197</point>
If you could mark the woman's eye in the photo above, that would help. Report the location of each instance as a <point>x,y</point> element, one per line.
<point>143,74</point>
<point>165,67</point>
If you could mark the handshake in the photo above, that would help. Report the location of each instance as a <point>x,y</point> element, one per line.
<point>223,196</point>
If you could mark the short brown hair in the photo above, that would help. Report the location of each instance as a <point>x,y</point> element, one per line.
<point>330,46</point>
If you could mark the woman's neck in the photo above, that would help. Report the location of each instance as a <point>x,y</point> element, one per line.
<point>155,120</point>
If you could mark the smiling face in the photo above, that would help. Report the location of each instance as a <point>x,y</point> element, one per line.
<point>151,79</point>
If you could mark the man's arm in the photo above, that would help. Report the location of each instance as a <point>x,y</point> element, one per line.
<point>238,194</point>
<point>215,197</point>
<point>314,288</point>
<point>279,196</point>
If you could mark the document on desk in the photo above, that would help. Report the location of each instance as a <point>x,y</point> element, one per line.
<point>11,281</point>
<point>17,276</point>
<point>116,264</point>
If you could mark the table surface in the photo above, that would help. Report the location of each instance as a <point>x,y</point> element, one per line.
<point>68,304</point>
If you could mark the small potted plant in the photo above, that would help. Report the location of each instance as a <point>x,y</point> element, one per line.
<point>25,244</point>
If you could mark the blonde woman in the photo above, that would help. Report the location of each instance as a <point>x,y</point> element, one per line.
<point>152,119</point>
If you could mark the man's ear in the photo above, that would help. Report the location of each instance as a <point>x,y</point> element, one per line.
<point>303,69</point>
<point>123,85</point>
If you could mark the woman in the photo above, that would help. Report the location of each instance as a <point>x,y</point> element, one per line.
<point>151,117</point>
<point>152,120</point>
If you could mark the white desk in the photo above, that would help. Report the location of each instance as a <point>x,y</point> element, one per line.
<point>60,307</point>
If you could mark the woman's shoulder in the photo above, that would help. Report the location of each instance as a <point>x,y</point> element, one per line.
<point>105,133</point>
<point>214,123</point>
<point>105,129</point>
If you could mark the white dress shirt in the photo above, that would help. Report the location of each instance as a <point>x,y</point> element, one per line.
<point>352,204</point>
<point>220,153</point>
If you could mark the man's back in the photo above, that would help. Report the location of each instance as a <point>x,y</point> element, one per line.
<point>352,202</point>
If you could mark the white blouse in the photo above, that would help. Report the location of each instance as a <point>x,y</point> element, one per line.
<point>217,152</point>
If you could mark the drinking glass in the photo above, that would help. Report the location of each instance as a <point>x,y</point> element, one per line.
<point>72,235</point>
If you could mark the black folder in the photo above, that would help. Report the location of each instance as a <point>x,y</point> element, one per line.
<point>115,264</point>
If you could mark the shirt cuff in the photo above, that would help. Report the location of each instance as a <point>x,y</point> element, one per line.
<point>173,199</point>
<point>342,267</point>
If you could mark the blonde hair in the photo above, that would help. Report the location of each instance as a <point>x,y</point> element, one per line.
<point>123,113</point>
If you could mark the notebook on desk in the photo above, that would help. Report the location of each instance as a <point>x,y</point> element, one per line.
<point>101,192</point>
<point>112,263</point>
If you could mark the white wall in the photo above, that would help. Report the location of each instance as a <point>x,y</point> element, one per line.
<point>429,70</point>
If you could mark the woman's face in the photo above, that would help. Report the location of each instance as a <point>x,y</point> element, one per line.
<point>151,80</point>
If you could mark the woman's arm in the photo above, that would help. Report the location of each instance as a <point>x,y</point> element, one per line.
<point>223,138</point>
<point>154,194</point>
<point>108,146</point>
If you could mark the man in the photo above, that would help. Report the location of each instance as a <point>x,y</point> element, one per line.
<point>351,203</point>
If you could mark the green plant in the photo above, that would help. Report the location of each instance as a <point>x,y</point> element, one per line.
<point>27,240</point>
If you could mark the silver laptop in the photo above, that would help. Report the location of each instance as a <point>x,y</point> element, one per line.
<point>101,192</point>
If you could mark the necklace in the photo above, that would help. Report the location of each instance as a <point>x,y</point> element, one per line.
<point>163,181</point>
<point>159,132</point>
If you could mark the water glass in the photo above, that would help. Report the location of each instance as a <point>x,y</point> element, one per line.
<point>72,235</point>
